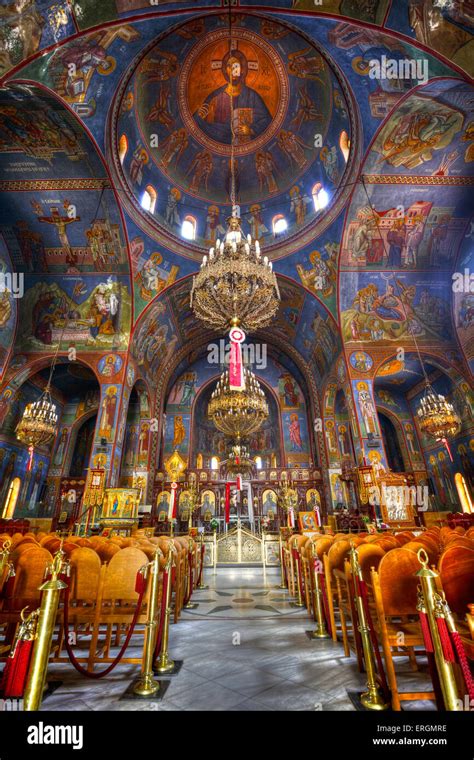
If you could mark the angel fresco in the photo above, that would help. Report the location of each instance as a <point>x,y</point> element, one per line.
<point>293,147</point>
<point>160,111</point>
<point>411,136</point>
<point>173,148</point>
<point>266,170</point>
<point>306,64</point>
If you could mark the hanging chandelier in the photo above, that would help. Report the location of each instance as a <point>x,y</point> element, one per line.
<point>239,462</point>
<point>38,423</point>
<point>235,285</point>
<point>238,413</point>
<point>437,417</point>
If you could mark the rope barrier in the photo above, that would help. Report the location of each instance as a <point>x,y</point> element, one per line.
<point>140,587</point>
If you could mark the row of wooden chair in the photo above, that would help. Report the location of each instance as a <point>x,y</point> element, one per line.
<point>389,563</point>
<point>102,593</point>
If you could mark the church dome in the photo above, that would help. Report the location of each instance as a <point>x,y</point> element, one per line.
<point>293,124</point>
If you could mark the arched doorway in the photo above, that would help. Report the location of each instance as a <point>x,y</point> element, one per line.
<point>82,448</point>
<point>391,441</point>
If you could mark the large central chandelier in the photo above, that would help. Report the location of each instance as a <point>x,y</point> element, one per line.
<point>235,284</point>
<point>437,417</point>
<point>38,423</point>
<point>238,413</point>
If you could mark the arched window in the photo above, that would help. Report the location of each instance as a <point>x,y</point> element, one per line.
<point>258,463</point>
<point>122,148</point>
<point>463,492</point>
<point>148,201</point>
<point>344,144</point>
<point>320,197</point>
<point>279,224</point>
<point>188,228</point>
<point>12,497</point>
<point>214,463</point>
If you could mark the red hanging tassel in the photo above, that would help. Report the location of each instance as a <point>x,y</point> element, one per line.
<point>14,675</point>
<point>448,652</point>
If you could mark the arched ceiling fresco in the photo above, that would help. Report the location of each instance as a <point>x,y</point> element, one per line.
<point>77,66</point>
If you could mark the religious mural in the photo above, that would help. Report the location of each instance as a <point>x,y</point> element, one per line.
<point>92,314</point>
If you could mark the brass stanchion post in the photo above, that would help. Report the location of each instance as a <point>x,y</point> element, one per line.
<point>320,632</point>
<point>372,699</point>
<point>36,678</point>
<point>147,686</point>
<point>165,664</point>
<point>299,601</point>
<point>190,575</point>
<point>282,564</point>
<point>4,554</point>
<point>431,600</point>
<point>201,583</point>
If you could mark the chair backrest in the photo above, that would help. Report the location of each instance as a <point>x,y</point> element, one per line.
<point>386,543</point>
<point>456,540</point>
<point>337,554</point>
<point>29,577</point>
<point>21,549</point>
<point>85,573</point>
<point>107,551</point>
<point>456,568</point>
<point>414,546</point>
<point>121,574</point>
<point>323,545</point>
<point>369,556</point>
<point>398,582</point>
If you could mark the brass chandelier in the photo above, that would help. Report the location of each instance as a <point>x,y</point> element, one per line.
<point>235,285</point>
<point>239,462</point>
<point>238,413</point>
<point>38,423</point>
<point>436,416</point>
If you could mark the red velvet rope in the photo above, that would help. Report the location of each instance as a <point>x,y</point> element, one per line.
<point>463,663</point>
<point>16,670</point>
<point>140,586</point>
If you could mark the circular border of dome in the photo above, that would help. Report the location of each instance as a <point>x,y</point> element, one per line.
<point>297,237</point>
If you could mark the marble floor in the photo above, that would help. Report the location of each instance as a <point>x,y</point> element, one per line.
<point>244,647</point>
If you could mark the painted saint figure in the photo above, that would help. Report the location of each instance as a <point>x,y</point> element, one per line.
<point>295,433</point>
